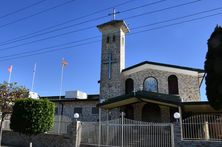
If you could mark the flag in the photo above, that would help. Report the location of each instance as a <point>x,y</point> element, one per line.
<point>10,69</point>
<point>64,62</point>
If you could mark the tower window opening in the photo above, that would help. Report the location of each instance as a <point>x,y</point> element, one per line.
<point>114,38</point>
<point>107,39</point>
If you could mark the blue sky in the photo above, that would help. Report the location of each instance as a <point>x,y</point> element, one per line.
<point>171,42</point>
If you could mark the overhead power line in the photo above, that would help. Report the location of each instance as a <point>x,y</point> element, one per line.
<point>94,19</point>
<point>71,20</point>
<point>52,50</point>
<point>177,18</point>
<point>151,24</point>
<point>164,9</point>
<point>48,29</point>
<point>177,23</point>
<point>22,9</point>
<point>35,14</point>
<point>142,31</point>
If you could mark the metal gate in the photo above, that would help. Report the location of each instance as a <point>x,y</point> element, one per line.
<point>127,133</point>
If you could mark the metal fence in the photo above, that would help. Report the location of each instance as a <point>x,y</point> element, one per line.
<point>61,125</point>
<point>125,132</point>
<point>202,127</point>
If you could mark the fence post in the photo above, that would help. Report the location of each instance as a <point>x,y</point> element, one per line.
<point>107,127</point>
<point>122,117</point>
<point>172,135</point>
<point>78,133</point>
<point>206,131</point>
<point>99,141</point>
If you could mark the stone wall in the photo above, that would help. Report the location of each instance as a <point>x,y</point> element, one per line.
<point>68,110</point>
<point>188,85</point>
<point>11,138</point>
<point>185,143</point>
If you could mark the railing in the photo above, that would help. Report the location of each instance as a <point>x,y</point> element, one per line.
<point>61,125</point>
<point>202,127</point>
<point>125,132</point>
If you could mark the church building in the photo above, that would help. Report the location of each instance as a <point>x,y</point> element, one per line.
<point>147,91</point>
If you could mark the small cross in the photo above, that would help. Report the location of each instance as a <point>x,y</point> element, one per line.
<point>109,61</point>
<point>113,13</point>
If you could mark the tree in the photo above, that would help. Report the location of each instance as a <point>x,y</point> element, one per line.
<point>32,117</point>
<point>9,92</point>
<point>213,68</point>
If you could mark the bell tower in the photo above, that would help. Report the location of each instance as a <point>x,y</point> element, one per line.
<point>112,58</point>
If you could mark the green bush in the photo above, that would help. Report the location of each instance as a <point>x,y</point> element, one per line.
<point>32,117</point>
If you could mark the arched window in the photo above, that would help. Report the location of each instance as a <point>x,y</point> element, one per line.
<point>173,85</point>
<point>114,38</point>
<point>129,86</point>
<point>107,39</point>
<point>150,84</point>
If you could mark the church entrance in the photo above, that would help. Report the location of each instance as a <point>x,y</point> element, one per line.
<point>129,112</point>
<point>151,113</point>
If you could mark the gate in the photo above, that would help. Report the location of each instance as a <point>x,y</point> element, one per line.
<point>202,127</point>
<point>127,133</point>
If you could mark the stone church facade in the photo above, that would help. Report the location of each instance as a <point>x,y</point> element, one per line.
<point>179,84</point>
<point>147,91</point>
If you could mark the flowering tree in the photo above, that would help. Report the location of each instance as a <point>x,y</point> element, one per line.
<point>9,92</point>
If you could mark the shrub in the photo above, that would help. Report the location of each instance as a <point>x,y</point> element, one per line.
<point>32,117</point>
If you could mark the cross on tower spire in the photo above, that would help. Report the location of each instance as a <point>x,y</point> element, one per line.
<point>113,14</point>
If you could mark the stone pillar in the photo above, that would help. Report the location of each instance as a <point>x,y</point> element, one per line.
<point>165,113</point>
<point>74,132</point>
<point>138,108</point>
<point>177,134</point>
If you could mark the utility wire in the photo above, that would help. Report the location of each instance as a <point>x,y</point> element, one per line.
<point>54,46</point>
<point>156,28</point>
<point>177,18</point>
<point>151,24</point>
<point>147,13</point>
<point>35,14</point>
<point>142,6</point>
<point>22,9</point>
<point>174,24</point>
<point>71,20</point>
<point>160,10</point>
<point>52,50</point>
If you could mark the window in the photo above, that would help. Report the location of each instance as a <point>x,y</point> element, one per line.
<point>107,39</point>
<point>173,85</point>
<point>150,84</point>
<point>114,38</point>
<point>78,110</point>
<point>95,110</point>
<point>129,86</point>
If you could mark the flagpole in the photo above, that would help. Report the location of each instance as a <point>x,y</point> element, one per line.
<point>60,94</point>
<point>61,82</point>
<point>10,74</point>
<point>33,77</point>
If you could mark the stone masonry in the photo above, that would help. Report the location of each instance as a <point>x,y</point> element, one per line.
<point>87,106</point>
<point>112,58</point>
<point>188,85</point>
